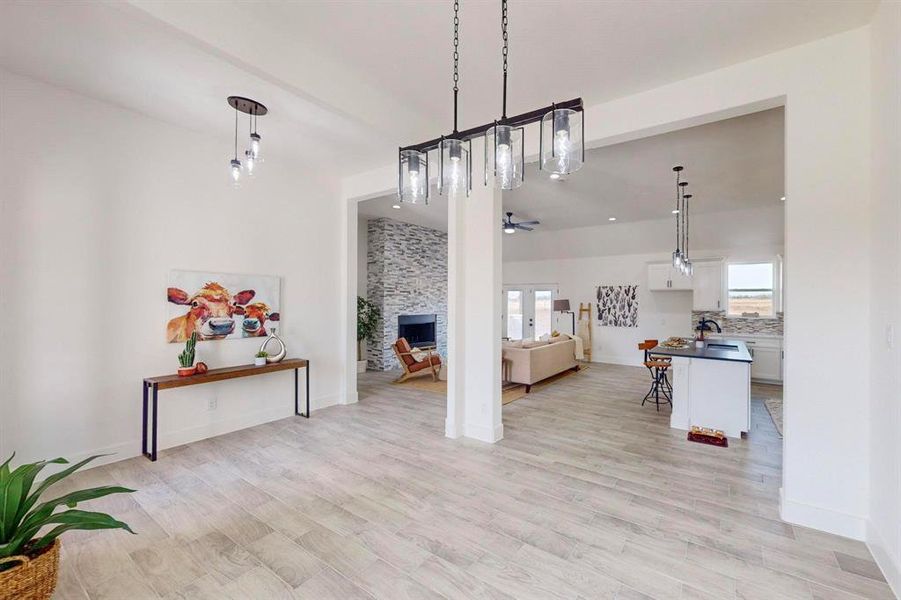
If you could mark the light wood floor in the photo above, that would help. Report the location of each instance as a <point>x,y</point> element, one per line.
<point>588,496</point>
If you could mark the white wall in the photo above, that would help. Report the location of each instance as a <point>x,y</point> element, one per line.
<point>98,204</point>
<point>734,235</point>
<point>884,528</point>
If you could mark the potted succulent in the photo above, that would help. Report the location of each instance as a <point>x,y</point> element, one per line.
<point>259,359</point>
<point>30,528</point>
<point>367,320</point>
<point>186,358</point>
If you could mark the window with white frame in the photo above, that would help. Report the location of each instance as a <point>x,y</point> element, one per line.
<point>751,289</point>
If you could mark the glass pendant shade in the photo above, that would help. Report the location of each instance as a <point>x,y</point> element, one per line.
<point>413,177</point>
<point>255,145</point>
<point>249,162</point>
<point>562,144</point>
<point>234,169</point>
<point>677,259</point>
<point>456,167</point>
<point>504,152</point>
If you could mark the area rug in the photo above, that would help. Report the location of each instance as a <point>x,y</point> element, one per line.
<point>510,392</point>
<point>774,407</point>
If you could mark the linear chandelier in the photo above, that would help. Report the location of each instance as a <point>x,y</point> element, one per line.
<point>252,158</point>
<point>561,142</point>
<point>680,256</point>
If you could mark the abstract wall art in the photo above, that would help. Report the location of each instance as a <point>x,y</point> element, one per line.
<point>618,305</point>
<point>221,306</point>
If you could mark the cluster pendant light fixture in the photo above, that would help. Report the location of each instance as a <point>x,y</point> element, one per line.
<point>252,157</point>
<point>561,142</point>
<point>680,255</point>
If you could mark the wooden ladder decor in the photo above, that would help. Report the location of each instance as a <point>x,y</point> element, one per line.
<point>585,309</point>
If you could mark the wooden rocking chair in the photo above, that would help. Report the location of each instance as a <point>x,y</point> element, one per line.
<point>412,367</point>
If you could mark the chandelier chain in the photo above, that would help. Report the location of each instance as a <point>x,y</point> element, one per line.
<point>505,51</point>
<point>456,57</point>
<point>678,210</point>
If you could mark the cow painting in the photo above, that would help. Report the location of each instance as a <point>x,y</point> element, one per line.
<point>255,317</point>
<point>219,306</point>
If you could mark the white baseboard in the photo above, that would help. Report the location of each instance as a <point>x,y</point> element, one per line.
<point>325,401</point>
<point>823,519</point>
<point>451,430</point>
<point>890,566</point>
<point>484,433</point>
<point>126,450</point>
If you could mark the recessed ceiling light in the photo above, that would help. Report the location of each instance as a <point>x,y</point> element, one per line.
<point>676,211</point>
<point>782,199</point>
<point>396,206</point>
<point>555,175</point>
<point>611,218</point>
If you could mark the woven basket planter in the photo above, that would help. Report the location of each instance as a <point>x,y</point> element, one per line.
<point>32,578</point>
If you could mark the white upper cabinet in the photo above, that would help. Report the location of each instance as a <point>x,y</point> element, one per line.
<point>708,286</point>
<point>659,277</point>
<point>662,277</point>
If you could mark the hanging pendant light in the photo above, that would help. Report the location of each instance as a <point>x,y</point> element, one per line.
<point>689,266</point>
<point>253,109</point>
<point>562,141</point>
<point>677,254</point>
<point>683,255</point>
<point>504,141</point>
<point>413,177</point>
<point>504,144</point>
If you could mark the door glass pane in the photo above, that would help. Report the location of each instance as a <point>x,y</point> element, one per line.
<point>514,314</point>
<point>543,312</point>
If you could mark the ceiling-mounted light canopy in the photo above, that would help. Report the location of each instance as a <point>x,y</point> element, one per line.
<point>413,177</point>
<point>562,141</point>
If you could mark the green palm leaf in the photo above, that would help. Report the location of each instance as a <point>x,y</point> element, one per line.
<point>77,519</point>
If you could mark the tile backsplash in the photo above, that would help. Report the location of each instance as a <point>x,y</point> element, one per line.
<point>741,325</point>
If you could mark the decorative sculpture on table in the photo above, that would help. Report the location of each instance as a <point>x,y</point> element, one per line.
<point>278,356</point>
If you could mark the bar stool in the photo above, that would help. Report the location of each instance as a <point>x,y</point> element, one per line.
<point>657,366</point>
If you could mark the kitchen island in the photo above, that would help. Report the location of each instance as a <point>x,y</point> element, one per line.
<point>711,386</point>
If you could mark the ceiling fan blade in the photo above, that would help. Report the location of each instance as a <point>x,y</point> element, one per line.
<point>519,226</point>
<point>530,223</point>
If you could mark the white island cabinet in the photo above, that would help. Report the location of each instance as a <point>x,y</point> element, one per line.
<point>711,386</point>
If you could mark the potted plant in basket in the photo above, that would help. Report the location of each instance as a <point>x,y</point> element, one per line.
<point>186,358</point>
<point>367,320</point>
<point>30,528</point>
<point>259,359</point>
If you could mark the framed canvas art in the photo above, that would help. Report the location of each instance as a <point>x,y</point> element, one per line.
<point>618,305</point>
<point>221,306</point>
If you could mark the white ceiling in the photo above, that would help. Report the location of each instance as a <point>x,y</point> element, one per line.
<point>349,81</point>
<point>730,165</point>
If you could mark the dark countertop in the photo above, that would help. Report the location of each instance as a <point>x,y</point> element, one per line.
<point>740,355</point>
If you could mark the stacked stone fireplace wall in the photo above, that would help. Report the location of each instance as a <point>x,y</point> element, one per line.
<point>406,275</point>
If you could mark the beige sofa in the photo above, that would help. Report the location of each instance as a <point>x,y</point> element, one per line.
<point>530,362</point>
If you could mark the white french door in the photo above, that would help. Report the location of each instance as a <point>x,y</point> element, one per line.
<point>528,311</point>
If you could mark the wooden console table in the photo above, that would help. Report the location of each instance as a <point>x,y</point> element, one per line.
<point>152,385</point>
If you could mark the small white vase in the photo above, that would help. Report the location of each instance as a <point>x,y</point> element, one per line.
<point>259,361</point>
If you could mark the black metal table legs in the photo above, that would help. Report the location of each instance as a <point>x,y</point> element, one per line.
<point>296,392</point>
<point>152,454</point>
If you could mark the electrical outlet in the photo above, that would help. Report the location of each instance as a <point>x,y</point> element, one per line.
<point>214,403</point>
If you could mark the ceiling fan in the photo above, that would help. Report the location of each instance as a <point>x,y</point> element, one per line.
<point>510,227</point>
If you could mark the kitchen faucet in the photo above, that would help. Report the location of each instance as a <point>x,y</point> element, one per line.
<point>703,326</point>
